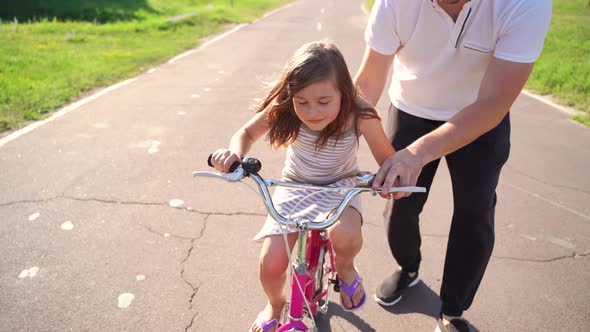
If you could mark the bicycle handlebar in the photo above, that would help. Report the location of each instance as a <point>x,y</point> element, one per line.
<point>251,166</point>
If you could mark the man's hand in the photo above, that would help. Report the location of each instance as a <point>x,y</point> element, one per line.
<point>400,169</point>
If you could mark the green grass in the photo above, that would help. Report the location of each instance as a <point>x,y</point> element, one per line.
<point>563,69</point>
<point>369,5</point>
<point>61,49</point>
<point>583,119</point>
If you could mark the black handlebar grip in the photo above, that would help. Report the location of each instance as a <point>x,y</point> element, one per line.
<point>234,166</point>
<point>231,169</point>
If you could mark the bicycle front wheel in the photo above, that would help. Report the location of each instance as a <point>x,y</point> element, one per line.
<point>324,277</point>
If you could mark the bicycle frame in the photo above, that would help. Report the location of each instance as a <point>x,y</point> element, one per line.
<point>310,248</point>
<point>312,240</point>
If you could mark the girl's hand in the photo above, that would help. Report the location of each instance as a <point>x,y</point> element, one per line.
<point>222,160</point>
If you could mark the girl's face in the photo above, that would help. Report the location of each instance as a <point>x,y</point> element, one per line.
<point>318,104</point>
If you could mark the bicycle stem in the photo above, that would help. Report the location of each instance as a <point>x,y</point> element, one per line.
<point>299,282</point>
<point>300,261</point>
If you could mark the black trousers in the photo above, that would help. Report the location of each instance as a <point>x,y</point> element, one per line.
<point>475,170</point>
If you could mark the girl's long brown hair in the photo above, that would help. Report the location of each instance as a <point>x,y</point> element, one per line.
<point>311,63</point>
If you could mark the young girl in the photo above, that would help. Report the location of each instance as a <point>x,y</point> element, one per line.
<point>314,111</point>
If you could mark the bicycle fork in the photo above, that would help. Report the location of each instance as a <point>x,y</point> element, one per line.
<point>295,307</point>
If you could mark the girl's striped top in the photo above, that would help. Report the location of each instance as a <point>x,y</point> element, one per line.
<point>331,163</point>
<point>334,165</point>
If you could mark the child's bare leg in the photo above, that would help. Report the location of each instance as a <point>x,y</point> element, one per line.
<point>273,265</point>
<point>347,240</point>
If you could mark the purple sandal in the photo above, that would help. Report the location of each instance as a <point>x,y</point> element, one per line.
<point>350,290</point>
<point>265,325</point>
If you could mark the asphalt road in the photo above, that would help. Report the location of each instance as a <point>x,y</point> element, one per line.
<point>92,239</point>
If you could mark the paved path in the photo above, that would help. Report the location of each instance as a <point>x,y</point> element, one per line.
<point>89,240</point>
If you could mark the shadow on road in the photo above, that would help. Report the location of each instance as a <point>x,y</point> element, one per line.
<point>418,299</point>
<point>323,321</point>
<point>423,300</point>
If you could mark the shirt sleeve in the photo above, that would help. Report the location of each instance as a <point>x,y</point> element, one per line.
<point>522,35</point>
<point>380,33</point>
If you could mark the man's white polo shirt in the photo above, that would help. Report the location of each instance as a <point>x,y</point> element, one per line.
<point>439,64</point>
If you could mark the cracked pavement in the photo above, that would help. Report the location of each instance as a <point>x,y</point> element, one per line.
<point>86,214</point>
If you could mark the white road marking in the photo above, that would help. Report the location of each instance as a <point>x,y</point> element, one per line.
<point>176,202</point>
<point>154,147</point>
<point>318,26</point>
<point>223,35</point>
<point>274,12</point>
<point>140,277</point>
<point>67,226</point>
<point>124,300</point>
<point>31,272</point>
<point>34,216</point>
<point>546,101</point>
<point>180,56</point>
<point>561,206</point>
<point>195,96</point>
<point>561,242</point>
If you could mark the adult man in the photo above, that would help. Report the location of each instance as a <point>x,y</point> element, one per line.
<point>458,66</point>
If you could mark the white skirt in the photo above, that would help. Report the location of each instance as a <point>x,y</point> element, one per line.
<point>317,207</point>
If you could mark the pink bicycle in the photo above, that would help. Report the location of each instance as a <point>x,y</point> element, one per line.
<point>313,267</point>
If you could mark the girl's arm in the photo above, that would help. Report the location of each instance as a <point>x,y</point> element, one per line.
<point>376,138</point>
<point>241,142</point>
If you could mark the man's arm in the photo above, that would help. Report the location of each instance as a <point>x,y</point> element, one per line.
<point>500,87</point>
<point>372,75</point>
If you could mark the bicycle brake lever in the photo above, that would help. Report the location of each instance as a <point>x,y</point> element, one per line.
<point>234,176</point>
<point>410,189</point>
